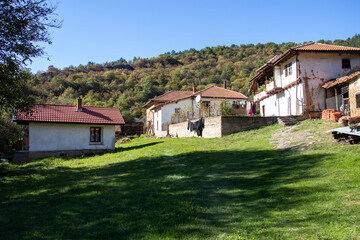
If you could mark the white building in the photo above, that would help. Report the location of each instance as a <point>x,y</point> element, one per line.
<point>291,83</point>
<point>64,130</point>
<point>179,105</point>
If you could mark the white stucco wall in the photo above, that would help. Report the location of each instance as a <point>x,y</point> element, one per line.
<point>314,69</point>
<point>57,137</point>
<point>277,76</point>
<point>163,114</point>
<point>317,68</point>
<point>271,106</point>
<point>285,103</point>
<point>169,109</point>
<point>157,120</point>
<point>290,103</point>
<point>290,78</point>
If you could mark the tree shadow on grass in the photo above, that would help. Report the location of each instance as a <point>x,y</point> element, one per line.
<point>39,162</point>
<point>198,194</point>
<point>123,147</point>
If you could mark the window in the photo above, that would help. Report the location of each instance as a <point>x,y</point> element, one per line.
<point>288,69</point>
<point>346,63</point>
<point>95,134</point>
<point>206,104</point>
<point>357,97</point>
<point>177,110</point>
<point>236,105</point>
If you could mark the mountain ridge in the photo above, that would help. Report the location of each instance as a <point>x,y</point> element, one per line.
<point>129,84</point>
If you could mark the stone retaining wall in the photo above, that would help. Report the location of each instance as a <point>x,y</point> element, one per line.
<point>234,124</point>
<point>225,125</point>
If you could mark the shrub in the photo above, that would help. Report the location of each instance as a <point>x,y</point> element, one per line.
<point>10,133</point>
<point>226,109</point>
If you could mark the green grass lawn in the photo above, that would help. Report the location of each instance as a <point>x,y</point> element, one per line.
<point>236,187</point>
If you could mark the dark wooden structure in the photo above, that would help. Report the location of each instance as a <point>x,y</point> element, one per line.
<point>134,128</point>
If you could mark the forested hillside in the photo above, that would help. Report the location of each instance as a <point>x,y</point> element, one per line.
<point>128,85</point>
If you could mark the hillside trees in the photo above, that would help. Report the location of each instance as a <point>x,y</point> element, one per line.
<point>24,24</point>
<point>129,86</point>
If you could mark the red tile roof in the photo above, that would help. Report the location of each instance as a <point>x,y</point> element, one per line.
<point>341,80</point>
<point>171,96</point>
<point>210,92</point>
<point>315,47</point>
<point>325,47</point>
<point>219,92</point>
<point>68,114</point>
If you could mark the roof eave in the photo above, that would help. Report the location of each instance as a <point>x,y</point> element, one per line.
<point>289,53</point>
<point>91,123</point>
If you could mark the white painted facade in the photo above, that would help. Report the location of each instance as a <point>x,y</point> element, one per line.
<point>285,103</point>
<point>162,115</point>
<point>62,137</point>
<point>312,70</point>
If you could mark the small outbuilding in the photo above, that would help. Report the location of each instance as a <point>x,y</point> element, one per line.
<point>65,130</point>
<point>344,94</point>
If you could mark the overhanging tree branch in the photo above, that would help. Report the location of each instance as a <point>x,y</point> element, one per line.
<point>23,25</point>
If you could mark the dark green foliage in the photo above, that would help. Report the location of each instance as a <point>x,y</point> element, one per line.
<point>129,85</point>
<point>23,25</point>
<point>226,109</point>
<point>351,42</point>
<point>10,133</point>
<point>14,90</point>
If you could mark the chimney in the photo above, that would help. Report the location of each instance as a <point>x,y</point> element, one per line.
<point>194,88</point>
<point>225,84</point>
<point>79,105</point>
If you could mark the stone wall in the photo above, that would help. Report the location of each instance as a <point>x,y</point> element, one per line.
<point>234,124</point>
<point>354,89</point>
<point>225,125</point>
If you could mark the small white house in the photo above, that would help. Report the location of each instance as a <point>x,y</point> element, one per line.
<point>291,83</point>
<point>64,130</point>
<point>162,110</point>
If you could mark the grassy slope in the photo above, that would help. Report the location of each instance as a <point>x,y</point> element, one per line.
<point>237,187</point>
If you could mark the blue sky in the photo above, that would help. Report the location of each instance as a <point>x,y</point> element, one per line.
<point>105,31</point>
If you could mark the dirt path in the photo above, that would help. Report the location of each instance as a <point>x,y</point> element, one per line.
<point>288,139</point>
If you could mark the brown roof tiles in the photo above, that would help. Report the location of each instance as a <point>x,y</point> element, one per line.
<point>170,96</point>
<point>324,47</point>
<point>68,114</point>
<point>210,92</point>
<point>341,80</point>
<point>219,92</point>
